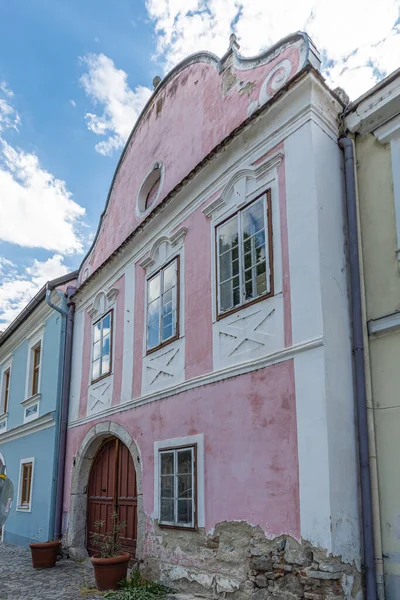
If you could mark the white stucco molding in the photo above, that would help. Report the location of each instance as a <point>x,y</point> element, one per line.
<point>255,171</point>
<point>39,424</point>
<point>209,378</point>
<point>103,302</point>
<point>384,325</point>
<point>175,239</point>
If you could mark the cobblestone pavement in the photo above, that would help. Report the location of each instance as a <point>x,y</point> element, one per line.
<point>69,580</point>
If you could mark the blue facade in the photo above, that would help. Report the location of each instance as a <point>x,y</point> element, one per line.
<point>29,427</point>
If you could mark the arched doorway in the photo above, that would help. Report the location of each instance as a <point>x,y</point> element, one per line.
<point>76,534</point>
<point>112,489</point>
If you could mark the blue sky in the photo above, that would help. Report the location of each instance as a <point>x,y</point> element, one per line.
<point>74,75</point>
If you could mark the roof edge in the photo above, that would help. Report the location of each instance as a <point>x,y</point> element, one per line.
<point>34,303</point>
<point>219,63</point>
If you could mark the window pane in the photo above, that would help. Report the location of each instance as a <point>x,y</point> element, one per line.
<point>170,276</point>
<point>184,486</point>
<point>247,259</point>
<point>249,289</point>
<point>228,235</point>
<point>96,350</point>
<point>105,364</point>
<point>261,278</point>
<point>97,329</point>
<point>167,301</point>
<point>253,218</point>
<point>184,461</point>
<point>154,311</point>
<point>153,334</point>
<point>153,289</point>
<point>185,511</point>
<point>260,253</point>
<point>106,325</point>
<point>167,486</point>
<point>228,266</point>
<point>167,511</point>
<point>106,345</point>
<point>229,294</point>
<point>167,463</point>
<point>96,369</point>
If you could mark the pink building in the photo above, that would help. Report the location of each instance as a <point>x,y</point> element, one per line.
<point>211,398</point>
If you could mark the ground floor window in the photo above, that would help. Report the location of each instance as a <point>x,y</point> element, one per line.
<point>25,484</point>
<point>177,485</point>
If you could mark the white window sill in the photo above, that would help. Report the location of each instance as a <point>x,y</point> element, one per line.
<point>31,400</point>
<point>24,508</point>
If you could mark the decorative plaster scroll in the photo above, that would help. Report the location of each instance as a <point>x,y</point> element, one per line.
<point>102,302</point>
<point>237,184</point>
<point>162,248</point>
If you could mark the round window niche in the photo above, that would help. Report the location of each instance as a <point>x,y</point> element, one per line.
<point>150,188</point>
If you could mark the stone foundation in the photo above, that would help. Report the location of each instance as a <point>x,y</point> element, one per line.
<point>238,560</point>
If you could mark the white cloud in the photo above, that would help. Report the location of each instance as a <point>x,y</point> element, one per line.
<point>16,289</point>
<point>37,210</point>
<point>360,38</point>
<point>72,103</point>
<point>9,118</point>
<point>108,87</point>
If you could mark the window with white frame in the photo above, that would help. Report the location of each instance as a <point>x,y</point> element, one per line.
<point>102,347</point>
<point>25,484</point>
<point>36,361</point>
<point>177,486</point>
<point>244,256</point>
<point>163,306</point>
<point>5,390</point>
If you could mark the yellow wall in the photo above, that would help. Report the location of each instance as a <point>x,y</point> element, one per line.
<point>382,283</point>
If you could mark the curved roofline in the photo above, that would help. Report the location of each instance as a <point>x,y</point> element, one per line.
<point>197,57</point>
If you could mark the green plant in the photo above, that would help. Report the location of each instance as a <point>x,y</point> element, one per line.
<point>108,543</point>
<point>140,588</point>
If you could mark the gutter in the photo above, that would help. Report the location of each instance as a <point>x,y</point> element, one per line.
<point>63,402</point>
<point>346,145</point>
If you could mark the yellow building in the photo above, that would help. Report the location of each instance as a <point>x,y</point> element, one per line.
<point>373,121</point>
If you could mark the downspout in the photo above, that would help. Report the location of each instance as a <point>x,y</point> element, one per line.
<point>346,145</point>
<point>66,378</point>
<point>63,312</point>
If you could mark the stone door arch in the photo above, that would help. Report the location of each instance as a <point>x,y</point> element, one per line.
<point>76,533</point>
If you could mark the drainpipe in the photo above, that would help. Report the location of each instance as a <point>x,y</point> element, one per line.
<point>359,370</point>
<point>69,315</point>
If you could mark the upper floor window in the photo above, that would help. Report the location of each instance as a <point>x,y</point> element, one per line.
<point>36,352</point>
<point>102,347</point>
<point>244,251</point>
<point>177,487</point>
<point>25,484</point>
<point>163,306</point>
<point>6,389</point>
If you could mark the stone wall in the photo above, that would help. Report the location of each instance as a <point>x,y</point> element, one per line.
<point>239,561</point>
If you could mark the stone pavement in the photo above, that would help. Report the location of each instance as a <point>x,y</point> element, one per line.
<point>69,580</point>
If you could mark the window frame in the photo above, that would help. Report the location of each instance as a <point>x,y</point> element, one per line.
<point>36,368</point>
<point>6,388</point>
<point>178,303</point>
<point>165,525</point>
<point>268,228</point>
<point>111,313</point>
<point>25,506</point>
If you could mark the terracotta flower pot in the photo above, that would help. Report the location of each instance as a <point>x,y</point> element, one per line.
<point>44,555</point>
<point>109,572</point>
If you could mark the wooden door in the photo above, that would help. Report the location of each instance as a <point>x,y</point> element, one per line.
<point>112,488</point>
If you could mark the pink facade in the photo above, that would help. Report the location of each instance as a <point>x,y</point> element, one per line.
<point>239,379</point>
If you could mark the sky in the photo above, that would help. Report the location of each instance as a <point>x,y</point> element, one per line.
<point>75,74</point>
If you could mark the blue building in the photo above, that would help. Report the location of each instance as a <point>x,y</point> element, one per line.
<point>32,351</point>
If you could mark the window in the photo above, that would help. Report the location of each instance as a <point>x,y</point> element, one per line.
<point>102,346</point>
<point>6,389</point>
<point>36,369</point>
<point>162,306</point>
<point>25,484</point>
<point>152,195</point>
<point>177,487</point>
<point>244,250</point>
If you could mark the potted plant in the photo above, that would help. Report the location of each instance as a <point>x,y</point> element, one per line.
<point>111,563</point>
<point>44,554</point>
